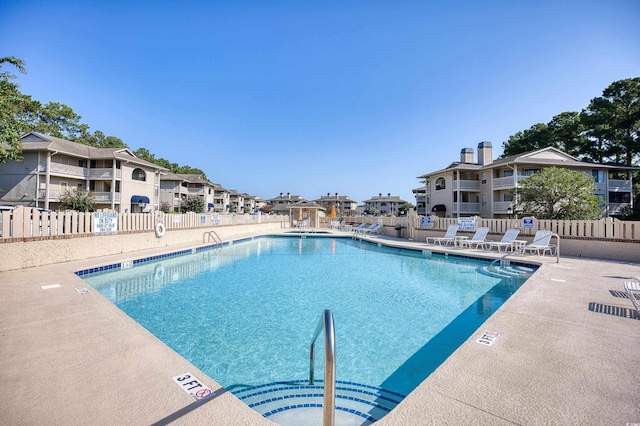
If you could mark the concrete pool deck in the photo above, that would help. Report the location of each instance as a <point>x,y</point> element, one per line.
<point>567,352</point>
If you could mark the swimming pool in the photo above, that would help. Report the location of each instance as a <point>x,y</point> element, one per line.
<point>245,313</point>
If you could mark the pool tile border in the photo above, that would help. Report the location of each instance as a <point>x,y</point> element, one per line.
<point>425,252</point>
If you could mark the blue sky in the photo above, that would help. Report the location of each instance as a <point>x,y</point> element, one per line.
<point>308,97</point>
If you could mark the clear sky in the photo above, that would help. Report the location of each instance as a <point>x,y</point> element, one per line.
<point>310,97</point>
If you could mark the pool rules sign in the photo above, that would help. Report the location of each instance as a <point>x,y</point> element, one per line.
<point>192,386</point>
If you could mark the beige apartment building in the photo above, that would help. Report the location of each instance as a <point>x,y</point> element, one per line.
<point>117,179</point>
<point>345,206</point>
<point>384,204</point>
<point>484,187</point>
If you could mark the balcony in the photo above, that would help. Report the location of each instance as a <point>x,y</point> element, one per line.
<point>466,185</point>
<point>507,182</point>
<point>66,170</point>
<point>500,207</point>
<point>466,208</point>
<point>104,174</point>
<point>616,185</point>
<point>98,197</point>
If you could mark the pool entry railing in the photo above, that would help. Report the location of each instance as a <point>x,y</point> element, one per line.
<point>329,401</point>
<point>212,236</point>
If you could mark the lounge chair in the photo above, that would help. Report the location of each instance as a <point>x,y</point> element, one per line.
<point>505,243</point>
<point>632,288</point>
<point>478,239</point>
<point>354,229</point>
<point>447,238</point>
<point>374,230</point>
<point>360,229</point>
<point>541,243</point>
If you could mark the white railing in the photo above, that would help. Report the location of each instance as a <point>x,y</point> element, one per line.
<point>466,185</point>
<point>468,208</point>
<point>26,222</point>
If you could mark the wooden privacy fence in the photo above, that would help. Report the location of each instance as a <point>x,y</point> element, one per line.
<point>31,223</point>
<point>606,228</point>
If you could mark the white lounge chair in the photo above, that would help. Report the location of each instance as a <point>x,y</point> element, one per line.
<point>541,243</point>
<point>505,243</point>
<point>478,239</point>
<point>374,230</point>
<point>632,288</point>
<point>447,238</point>
<point>360,230</point>
<point>354,229</point>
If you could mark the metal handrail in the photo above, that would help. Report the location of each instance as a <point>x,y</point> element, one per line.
<point>212,235</point>
<point>329,401</point>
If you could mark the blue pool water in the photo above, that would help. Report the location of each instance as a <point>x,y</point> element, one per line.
<point>245,313</point>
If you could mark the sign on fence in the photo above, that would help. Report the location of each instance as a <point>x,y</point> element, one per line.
<point>527,222</point>
<point>105,222</point>
<point>215,219</point>
<point>427,222</point>
<point>467,224</point>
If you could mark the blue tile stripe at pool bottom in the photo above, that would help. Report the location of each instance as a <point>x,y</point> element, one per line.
<point>118,265</point>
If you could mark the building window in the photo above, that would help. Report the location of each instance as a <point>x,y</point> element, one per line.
<point>507,173</point>
<point>529,172</point>
<point>139,174</point>
<point>598,176</point>
<point>508,197</point>
<point>484,199</point>
<point>484,177</point>
<point>440,184</point>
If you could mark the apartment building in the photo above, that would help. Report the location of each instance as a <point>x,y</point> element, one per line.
<point>281,203</point>
<point>175,188</point>
<point>117,179</point>
<point>345,206</point>
<point>484,187</point>
<point>384,204</point>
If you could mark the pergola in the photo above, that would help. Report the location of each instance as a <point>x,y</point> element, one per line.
<point>305,214</point>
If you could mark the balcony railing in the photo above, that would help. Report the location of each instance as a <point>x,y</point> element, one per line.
<point>466,185</point>
<point>98,197</point>
<point>468,208</point>
<point>500,207</point>
<point>619,185</point>
<point>68,170</point>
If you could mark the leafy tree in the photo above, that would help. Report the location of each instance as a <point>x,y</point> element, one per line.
<point>144,154</point>
<point>13,104</point>
<point>558,193</point>
<point>100,140</point>
<point>165,207</point>
<point>78,200</point>
<point>57,120</point>
<point>402,211</point>
<point>266,208</point>
<point>192,203</point>
<point>536,137</point>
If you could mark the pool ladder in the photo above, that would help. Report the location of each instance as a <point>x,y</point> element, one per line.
<point>212,236</point>
<point>329,400</point>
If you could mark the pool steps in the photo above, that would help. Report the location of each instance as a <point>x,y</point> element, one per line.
<point>367,403</point>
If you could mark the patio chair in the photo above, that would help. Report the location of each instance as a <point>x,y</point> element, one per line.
<point>354,229</point>
<point>505,243</point>
<point>359,229</point>
<point>374,230</point>
<point>632,288</point>
<point>541,243</point>
<point>447,238</point>
<point>478,239</point>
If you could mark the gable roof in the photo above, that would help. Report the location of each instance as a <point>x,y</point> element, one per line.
<point>34,141</point>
